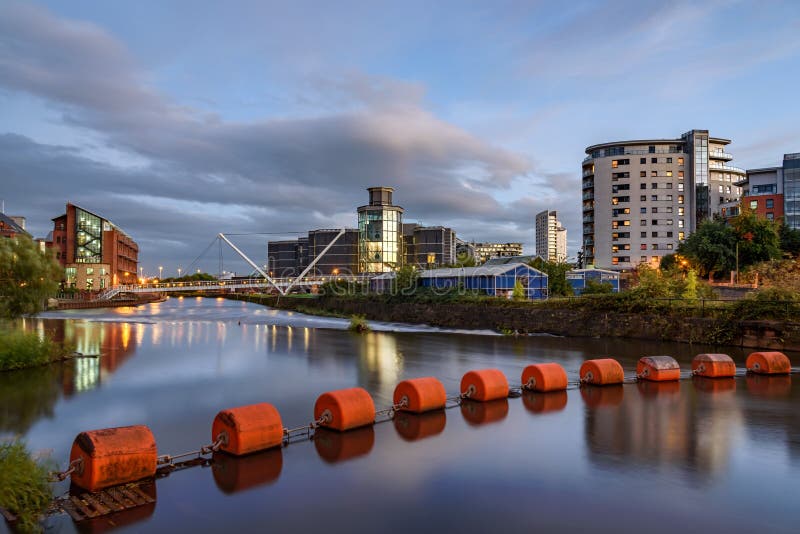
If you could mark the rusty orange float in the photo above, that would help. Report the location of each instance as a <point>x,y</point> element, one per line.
<point>713,366</point>
<point>658,369</point>
<point>768,363</point>
<point>247,429</point>
<point>113,456</point>
<point>484,385</point>
<point>419,395</point>
<point>602,372</point>
<point>345,409</point>
<point>544,377</point>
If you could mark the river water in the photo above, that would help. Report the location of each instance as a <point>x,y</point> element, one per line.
<point>692,456</point>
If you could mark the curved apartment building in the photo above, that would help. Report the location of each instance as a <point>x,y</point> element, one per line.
<point>641,198</point>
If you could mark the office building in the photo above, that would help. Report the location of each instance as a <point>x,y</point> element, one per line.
<point>95,253</point>
<point>485,251</point>
<point>774,192</point>
<point>551,237</point>
<point>428,246</point>
<point>12,226</point>
<point>341,258</point>
<point>380,233</point>
<point>642,198</point>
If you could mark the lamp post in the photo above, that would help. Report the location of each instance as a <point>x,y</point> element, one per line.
<point>160,268</point>
<point>179,272</point>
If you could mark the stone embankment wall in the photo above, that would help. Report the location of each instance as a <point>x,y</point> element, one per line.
<point>775,335</point>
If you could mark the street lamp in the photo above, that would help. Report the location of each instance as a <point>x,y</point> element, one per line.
<point>160,268</point>
<point>179,272</point>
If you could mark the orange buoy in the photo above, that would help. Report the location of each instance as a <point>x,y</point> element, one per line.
<point>768,363</point>
<point>544,377</point>
<point>553,401</point>
<point>769,386</point>
<point>420,394</point>
<point>653,388</point>
<point>335,447</point>
<point>658,369</point>
<point>596,397</point>
<point>713,385</point>
<point>713,366</point>
<point>248,429</point>
<point>113,456</point>
<point>344,409</point>
<point>235,474</point>
<point>482,413</point>
<point>602,372</point>
<point>484,385</point>
<point>413,427</point>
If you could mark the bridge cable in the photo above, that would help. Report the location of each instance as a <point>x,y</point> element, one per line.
<point>189,268</point>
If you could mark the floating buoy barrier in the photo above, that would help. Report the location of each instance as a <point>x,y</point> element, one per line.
<point>544,377</point>
<point>129,505</point>
<point>113,456</point>
<point>713,385</point>
<point>713,366</point>
<point>414,426</point>
<point>769,386</point>
<point>233,474</point>
<point>601,372</point>
<point>602,397</point>
<point>484,412</point>
<point>419,395</point>
<point>334,447</point>
<point>553,401</point>
<point>652,388</point>
<point>345,409</point>
<point>658,369</point>
<point>768,363</point>
<point>248,429</point>
<point>484,385</point>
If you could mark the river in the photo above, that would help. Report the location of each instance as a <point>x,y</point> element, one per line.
<point>691,456</point>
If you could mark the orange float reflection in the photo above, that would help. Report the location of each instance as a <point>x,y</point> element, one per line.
<point>233,474</point>
<point>769,385</point>
<point>481,413</point>
<point>553,401</point>
<point>413,427</point>
<point>334,447</point>
<point>603,396</point>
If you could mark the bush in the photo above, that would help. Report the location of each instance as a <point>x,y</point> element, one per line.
<point>26,349</point>
<point>593,287</point>
<point>358,324</point>
<point>24,487</point>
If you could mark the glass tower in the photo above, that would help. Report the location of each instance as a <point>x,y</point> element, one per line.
<point>791,190</point>
<point>380,233</point>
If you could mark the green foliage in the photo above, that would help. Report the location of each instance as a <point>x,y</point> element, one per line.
<point>519,291</point>
<point>24,487</point>
<point>25,349</point>
<point>690,288</point>
<point>27,277</point>
<point>358,324</point>
<point>195,277</point>
<point>712,248</point>
<point>463,260</point>
<point>556,276</point>
<point>758,238</point>
<point>670,261</point>
<point>342,288</point>
<point>593,287</point>
<point>406,279</point>
<point>790,240</point>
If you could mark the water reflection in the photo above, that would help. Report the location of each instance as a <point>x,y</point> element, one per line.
<point>334,447</point>
<point>380,364</point>
<point>122,519</point>
<point>233,474</point>
<point>414,427</point>
<point>553,401</point>
<point>664,425</point>
<point>483,413</point>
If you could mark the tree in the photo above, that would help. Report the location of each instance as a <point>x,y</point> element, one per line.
<point>790,240</point>
<point>556,276</point>
<point>519,291</point>
<point>690,289</point>
<point>406,280</point>
<point>593,287</point>
<point>758,238</point>
<point>712,248</point>
<point>27,277</point>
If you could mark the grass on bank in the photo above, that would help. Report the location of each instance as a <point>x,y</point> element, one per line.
<point>19,350</point>
<point>24,487</point>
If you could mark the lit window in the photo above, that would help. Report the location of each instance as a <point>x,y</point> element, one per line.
<point>643,246</point>
<point>680,161</point>
<point>754,204</point>
<point>680,223</point>
<point>642,174</point>
<point>614,164</point>
<point>681,235</point>
<point>680,175</point>
<point>680,197</point>
<point>653,173</point>
<point>614,261</point>
<point>669,173</point>
<point>680,187</point>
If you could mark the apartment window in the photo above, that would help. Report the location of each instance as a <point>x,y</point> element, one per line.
<point>754,204</point>
<point>669,185</point>
<point>644,258</point>
<point>643,222</point>
<point>680,223</point>
<point>643,186</point>
<point>614,224</point>
<point>669,222</point>
<point>614,200</point>
<point>654,234</point>
<point>642,161</point>
<point>654,210</point>
<point>669,209</point>
<point>58,239</point>
<point>770,203</point>
<point>669,198</point>
<point>642,210</point>
<point>58,255</point>
<point>721,189</point>
<point>617,162</point>
<point>654,246</point>
<point>654,222</point>
<point>680,197</point>
<point>681,235</point>
<point>643,198</point>
<point>669,173</point>
<point>680,187</point>
<point>621,175</point>
<point>651,149</point>
<point>669,246</point>
<point>654,185</point>
<point>728,189</point>
<point>89,271</point>
<point>643,234</point>
<point>770,216</point>
<point>680,161</point>
<point>680,175</point>
<point>653,160</point>
<point>626,223</point>
<point>614,248</point>
<point>681,211</point>
<point>614,261</point>
<point>642,174</point>
<point>614,164</point>
<point>669,234</point>
<point>643,246</point>
<point>654,198</point>
<point>653,173</point>
<point>669,160</point>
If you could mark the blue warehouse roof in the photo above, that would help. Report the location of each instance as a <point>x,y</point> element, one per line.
<point>483,270</point>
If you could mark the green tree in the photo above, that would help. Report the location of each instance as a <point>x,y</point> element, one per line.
<point>650,283</point>
<point>758,238</point>
<point>790,240</point>
<point>519,291</point>
<point>712,248</point>
<point>690,289</point>
<point>406,280</point>
<point>27,277</point>
<point>556,276</point>
<point>593,287</point>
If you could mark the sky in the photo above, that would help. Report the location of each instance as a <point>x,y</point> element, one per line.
<point>179,120</point>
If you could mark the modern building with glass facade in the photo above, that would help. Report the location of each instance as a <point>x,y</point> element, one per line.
<point>95,253</point>
<point>642,198</point>
<point>774,192</point>
<point>484,251</point>
<point>380,233</point>
<point>551,237</point>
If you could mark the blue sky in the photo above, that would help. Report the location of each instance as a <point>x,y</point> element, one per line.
<point>179,120</point>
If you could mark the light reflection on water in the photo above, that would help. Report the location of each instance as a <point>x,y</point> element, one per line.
<point>717,455</point>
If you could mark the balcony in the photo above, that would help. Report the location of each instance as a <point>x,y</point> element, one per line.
<point>588,172</point>
<point>588,196</point>
<point>588,218</point>
<point>720,155</point>
<point>588,185</point>
<point>726,168</point>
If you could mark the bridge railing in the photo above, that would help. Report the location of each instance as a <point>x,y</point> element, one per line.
<point>238,283</point>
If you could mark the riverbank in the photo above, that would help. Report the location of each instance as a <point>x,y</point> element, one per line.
<point>21,350</point>
<point>743,324</point>
<point>79,304</point>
